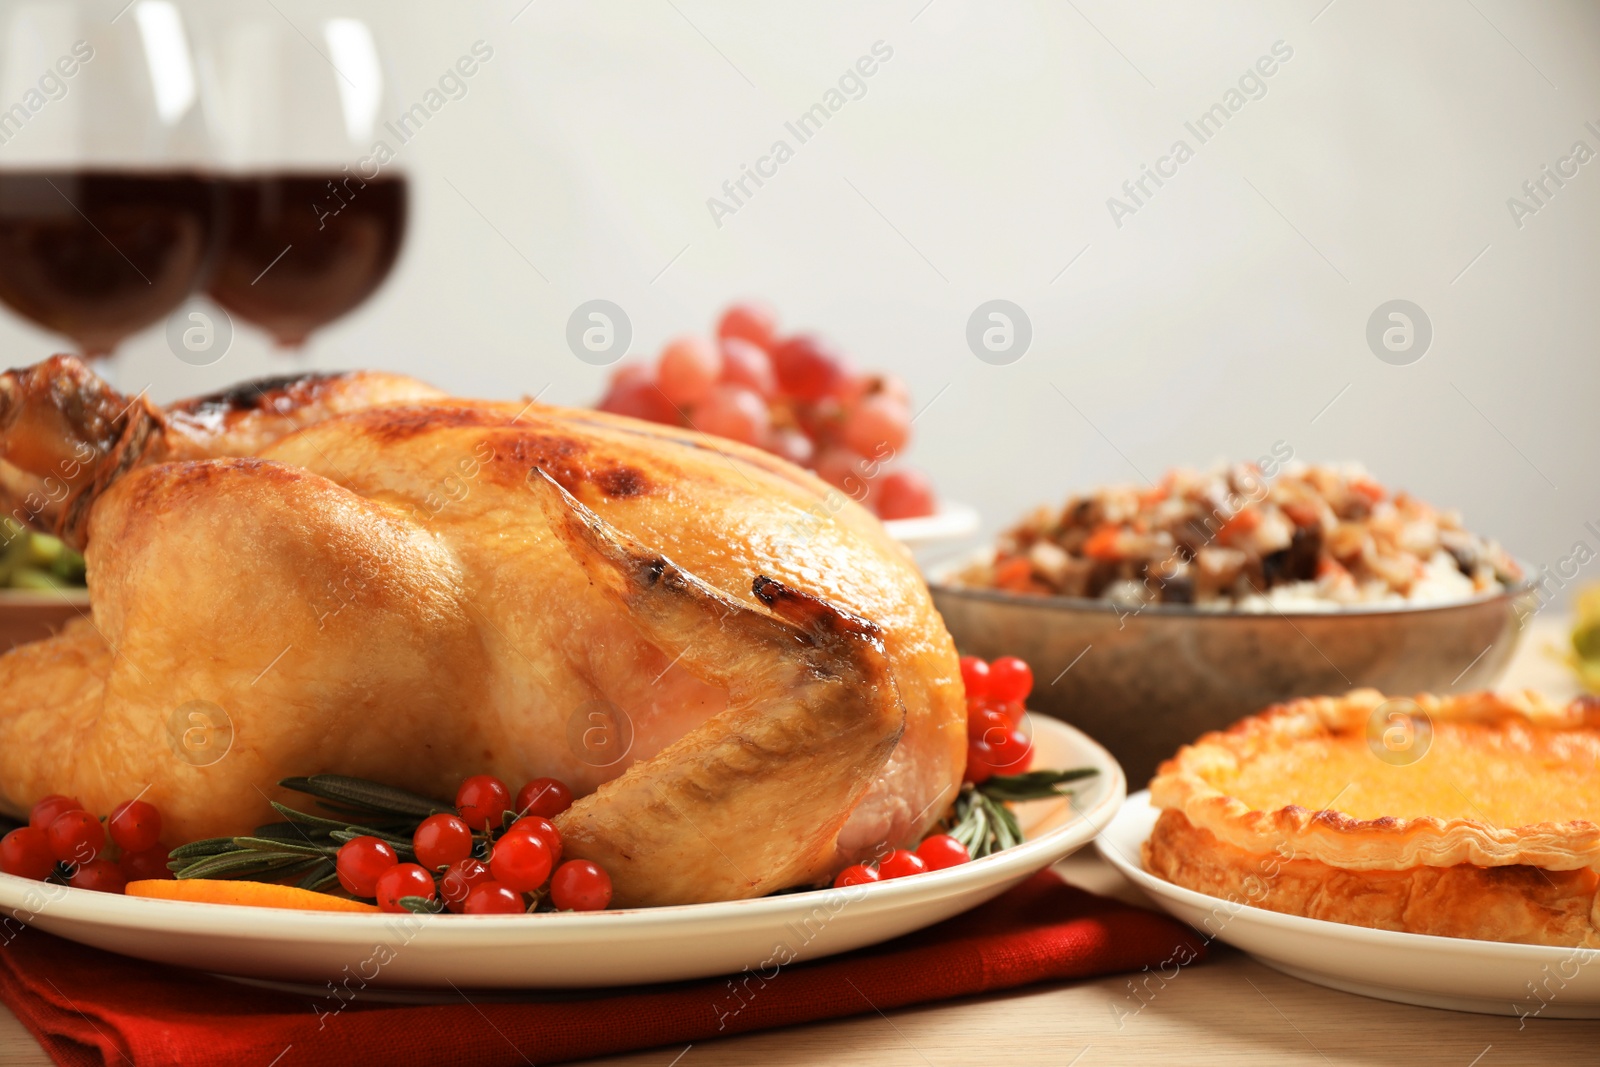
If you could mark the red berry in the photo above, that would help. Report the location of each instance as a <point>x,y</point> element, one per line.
<point>403,880</point>
<point>25,852</point>
<point>360,862</point>
<point>791,444</point>
<point>878,426</point>
<point>747,364</point>
<point>857,389</point>
<point>441,840</point>
<point>1011,753</point>
<point>900,863</point>
<point>492,898</point>
<point>855,874</point>
<point>978,766</point>
<point>1010,679</point>
<point>748,321</point>
<point>819,419</point>
<point>734,412</point>
<point>904,493</point>
<point>76,837</point>
<point>986,723</point>
<point>808,367</point>
<point>101,875</point>
<point>482,800</point>
<point>845,471</point>
<point>544,830</point>
<point>521,861</point>
<point>640,400</point>
<point>134,825</point>
<point>579,885</point>
<point>631,374</point>
<point>941,851</point>
<point>975,676</point>
<point>544,796</point>
<point>48,808</point>
<point>688,368</point>
<point>143,866</point>
<point>459,881</point>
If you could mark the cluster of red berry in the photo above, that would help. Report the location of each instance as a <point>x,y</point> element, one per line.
<point>519,860</point>
<point>996,743</point>
<point>63,839</point>
<point>936,852</point>
<point>794,396</point>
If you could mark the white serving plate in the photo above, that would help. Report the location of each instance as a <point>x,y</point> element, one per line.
<point>567,950</point>
<point>1491,977</point>
<point>951,522</point>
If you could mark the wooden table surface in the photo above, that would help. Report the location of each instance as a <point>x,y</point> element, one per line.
<point>1228,1011</point>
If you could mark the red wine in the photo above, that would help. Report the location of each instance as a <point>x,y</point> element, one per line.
<point>99,254</point>
<point>301,250</point>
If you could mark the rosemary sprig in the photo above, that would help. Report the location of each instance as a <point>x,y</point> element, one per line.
<point>244,863</point>
<point>323,873</point>
<point>307,845</point>
<point>981,818</point>
<point>358,794</point>
<point>1034,785</point>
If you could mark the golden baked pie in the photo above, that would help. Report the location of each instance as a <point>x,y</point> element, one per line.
<point>1465,816</point>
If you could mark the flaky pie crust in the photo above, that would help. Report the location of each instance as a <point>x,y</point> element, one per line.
<point>1519,903</point>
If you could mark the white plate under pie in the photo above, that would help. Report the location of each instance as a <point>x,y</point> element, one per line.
<point>569,950</point>
<point>1491,977</point>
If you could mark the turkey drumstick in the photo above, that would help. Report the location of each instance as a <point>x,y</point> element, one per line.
<point>65,435</point>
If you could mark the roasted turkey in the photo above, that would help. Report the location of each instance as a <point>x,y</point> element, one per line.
<point>741,676</point>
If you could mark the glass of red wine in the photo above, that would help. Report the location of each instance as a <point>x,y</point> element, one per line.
<point>107,218</point>
<point>307,164</point>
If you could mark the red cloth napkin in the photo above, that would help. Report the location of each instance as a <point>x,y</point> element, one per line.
<point>91,1008</point>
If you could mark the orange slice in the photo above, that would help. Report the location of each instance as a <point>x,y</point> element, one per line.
<point>251,894</point>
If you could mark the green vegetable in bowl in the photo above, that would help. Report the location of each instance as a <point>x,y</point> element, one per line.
<point>32,560</point>
<point>1586,639</point>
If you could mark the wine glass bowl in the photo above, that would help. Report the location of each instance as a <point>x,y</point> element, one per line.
<point>316,217</point>
<point>291,262</point>
<point>106,220</point>
<point>153,151</point>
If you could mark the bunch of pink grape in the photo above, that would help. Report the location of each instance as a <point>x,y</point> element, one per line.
<point>795,396</point>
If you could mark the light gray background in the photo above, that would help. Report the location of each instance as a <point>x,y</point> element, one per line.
<point>1227,314</point>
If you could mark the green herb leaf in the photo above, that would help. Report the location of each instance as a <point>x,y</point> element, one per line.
<point>278,846</point>
<point>401,845</point>
<point>1035,785</point>
<point>293,869</point>
<point>211,846</point>
<point>240,864</point>
<point>366,796</point>
<point>319,875</point>
<point>300,822</point>
<point>287,831</point>
<point>420,905</point>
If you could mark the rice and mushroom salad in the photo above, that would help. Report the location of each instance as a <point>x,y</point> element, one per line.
<point>1317,537</point>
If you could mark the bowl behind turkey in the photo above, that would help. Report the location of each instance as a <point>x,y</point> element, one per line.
<point>30,614</point>
<point>1142,679</point>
